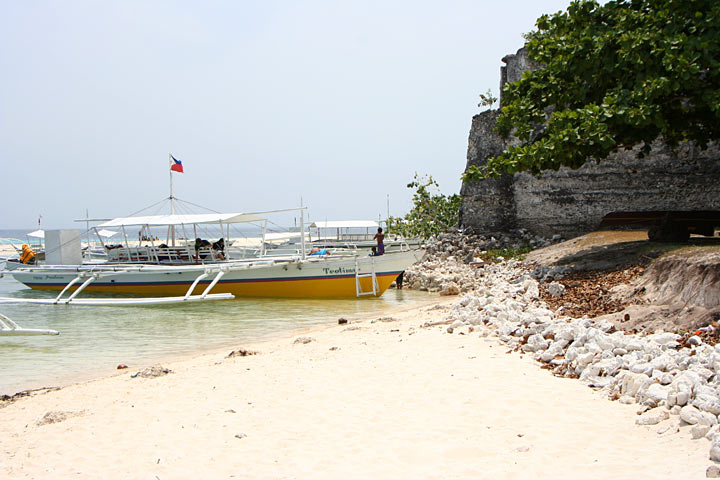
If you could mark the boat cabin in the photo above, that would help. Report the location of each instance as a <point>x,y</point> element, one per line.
<point>177,248</point>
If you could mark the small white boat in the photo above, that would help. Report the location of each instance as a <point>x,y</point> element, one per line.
<point>343,236</point>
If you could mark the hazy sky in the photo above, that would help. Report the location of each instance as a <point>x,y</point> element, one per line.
<point>265,102</point>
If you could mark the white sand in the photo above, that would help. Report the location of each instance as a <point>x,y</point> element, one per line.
<point>393,400</point>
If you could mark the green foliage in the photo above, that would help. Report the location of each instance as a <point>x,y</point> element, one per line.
<point>614,76</point>
<point>432,213</point>
<point>487,99</point>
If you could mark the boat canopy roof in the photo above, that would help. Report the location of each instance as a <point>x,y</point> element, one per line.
<point>37,234</point>
<point>107,233</point>
<point>282,236</point>
<point>176,219</point>
<point>346,224</point>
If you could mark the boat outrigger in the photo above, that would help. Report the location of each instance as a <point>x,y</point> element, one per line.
<point>158,274</point>
<point>8,328</point>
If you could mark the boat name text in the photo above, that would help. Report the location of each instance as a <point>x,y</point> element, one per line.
<point>339,270</point>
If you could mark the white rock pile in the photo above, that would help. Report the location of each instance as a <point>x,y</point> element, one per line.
<point>453,261</point>
<point>678,387</point>
<point>450,276</point>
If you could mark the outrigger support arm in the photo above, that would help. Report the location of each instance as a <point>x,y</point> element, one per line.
<point>87,282</point>
<point>194,284</point>
<point>72,282</point>
<point>213,283</point>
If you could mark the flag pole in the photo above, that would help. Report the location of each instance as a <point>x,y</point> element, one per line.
<point>172,202</point>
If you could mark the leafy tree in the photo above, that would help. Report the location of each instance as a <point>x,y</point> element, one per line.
<point>487,99</point>
<point>432,213</point>
<point>613,76</point>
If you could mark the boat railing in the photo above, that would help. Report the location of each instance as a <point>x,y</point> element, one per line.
<point>183,254</point>
<point>242,251</point>
<point>355,237</point>
<point>131,254</point>
<point>205,254</point>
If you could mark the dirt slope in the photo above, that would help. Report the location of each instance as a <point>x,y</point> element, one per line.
<point>637,284</point>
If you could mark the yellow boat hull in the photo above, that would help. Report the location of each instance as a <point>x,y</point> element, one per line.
<point>333,287</point>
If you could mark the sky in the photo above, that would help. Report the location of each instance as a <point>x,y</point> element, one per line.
<point>267,103</point>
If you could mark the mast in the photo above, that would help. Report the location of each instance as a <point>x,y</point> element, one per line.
<point>172,199</point>
<point>302,229</point>
<point>87,227</point>
<point>262,244</point>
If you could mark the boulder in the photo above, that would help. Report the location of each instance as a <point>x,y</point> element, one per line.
<point>664,337</point>
<point>655,392</point>
<point>699,431</point>
<point>653,417</point>
<point>554,350</point>
<point>708,419</point>
<point>707,403</point>
<point>450,289</point>
<point>586,358</point>
<point>690,415</point>
<point>531,289</point>
<point>631,383</point>
<point>535,343</point>
<point>713,471</point>
<point>714,454</point>
<point>556,289</point>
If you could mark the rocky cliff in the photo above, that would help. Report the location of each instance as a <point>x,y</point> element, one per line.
<point>572,202</point>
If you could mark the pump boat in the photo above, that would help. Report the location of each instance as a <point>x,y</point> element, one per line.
<point>156,274</point>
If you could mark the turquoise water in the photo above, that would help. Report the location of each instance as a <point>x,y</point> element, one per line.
<point>10,241</point>
<point>94,340</point>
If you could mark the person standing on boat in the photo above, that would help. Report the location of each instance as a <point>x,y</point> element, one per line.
<point>380,237</point>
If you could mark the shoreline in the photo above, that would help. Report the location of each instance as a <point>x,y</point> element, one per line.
<point>388,399</point>
<point>96,373</point>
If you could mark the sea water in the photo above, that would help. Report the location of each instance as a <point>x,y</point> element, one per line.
<point>93,340</point>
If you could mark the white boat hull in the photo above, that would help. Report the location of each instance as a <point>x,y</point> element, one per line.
<point>325,276</point>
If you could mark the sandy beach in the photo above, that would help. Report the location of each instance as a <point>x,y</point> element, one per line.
<point>375,398</point>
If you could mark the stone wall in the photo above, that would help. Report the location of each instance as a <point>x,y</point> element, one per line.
<point>573,202</point>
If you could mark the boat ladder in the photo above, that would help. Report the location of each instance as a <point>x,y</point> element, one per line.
<point>358,286</point>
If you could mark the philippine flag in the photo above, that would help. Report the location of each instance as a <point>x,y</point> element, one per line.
<point>175,165</point>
